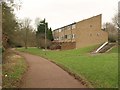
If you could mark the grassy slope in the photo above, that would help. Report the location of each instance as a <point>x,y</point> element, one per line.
<point>14,67</point>
<point>101,70</point>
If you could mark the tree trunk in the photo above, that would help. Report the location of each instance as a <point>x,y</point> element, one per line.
<point>26,39</point>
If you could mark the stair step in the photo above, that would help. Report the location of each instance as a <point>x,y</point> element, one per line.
<point>106,48</point>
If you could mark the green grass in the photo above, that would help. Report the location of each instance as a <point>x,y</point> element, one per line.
<point>14,67</point>
<point>114,50</point>
<point>101,70</point>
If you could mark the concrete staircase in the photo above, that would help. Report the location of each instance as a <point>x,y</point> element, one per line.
<point>105,47</point>
<point>104,44</point>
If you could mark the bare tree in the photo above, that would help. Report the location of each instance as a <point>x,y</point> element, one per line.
<point>26,26</point>
<point>112,31</point>
<point>115,20</point>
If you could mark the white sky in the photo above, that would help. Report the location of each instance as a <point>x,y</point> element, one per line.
<point>59,13</point>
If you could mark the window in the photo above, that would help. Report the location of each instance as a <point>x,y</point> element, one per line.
<point>62,37</point>
<point>69,36</point>
<point>90,25</point>
<point>60,30</point>
<point>73,26</point>
<point>57,38</point>
<point>65,28</point>
<point>56,31</point>
<point>69,27</point>
<point>65,36</point>
<point>73,36</point>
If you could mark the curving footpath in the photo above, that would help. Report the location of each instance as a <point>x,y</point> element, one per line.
<point>45,74</point>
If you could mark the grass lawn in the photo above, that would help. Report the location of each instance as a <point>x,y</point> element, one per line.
<point>13,69</point>
<point>101,70</point>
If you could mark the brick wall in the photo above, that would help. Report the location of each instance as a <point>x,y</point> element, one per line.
<point>68,45</point>
<point>89,32</point>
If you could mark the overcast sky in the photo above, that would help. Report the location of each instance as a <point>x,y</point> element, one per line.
<point>59,13</point>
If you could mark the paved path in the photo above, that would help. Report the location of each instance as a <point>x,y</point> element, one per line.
<point>44,74</point>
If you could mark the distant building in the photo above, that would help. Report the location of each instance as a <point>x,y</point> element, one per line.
<point>83,33</point>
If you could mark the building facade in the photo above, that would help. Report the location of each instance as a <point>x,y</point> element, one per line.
<point>83,33</point>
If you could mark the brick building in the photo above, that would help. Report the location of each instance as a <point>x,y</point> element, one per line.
<point>83,33</point>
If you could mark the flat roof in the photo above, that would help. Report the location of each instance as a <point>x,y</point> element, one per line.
<point>76,22</point>
<point>65,26</point>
